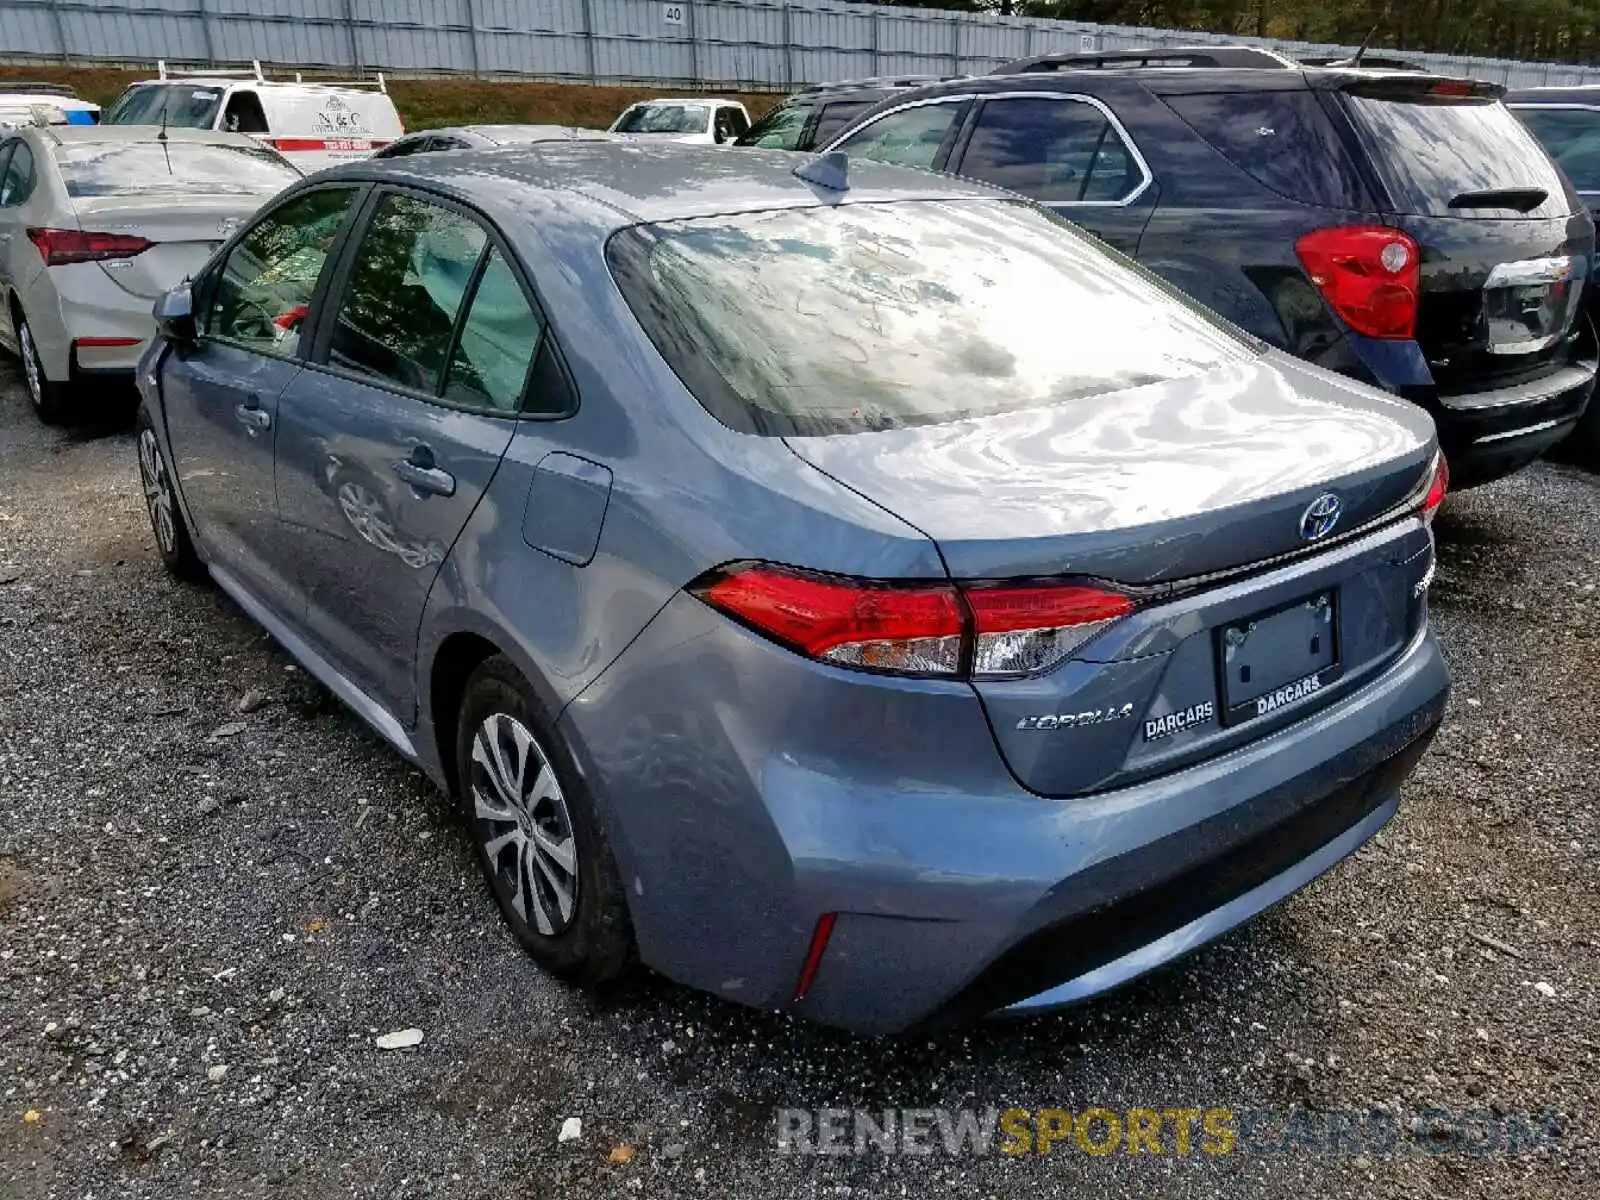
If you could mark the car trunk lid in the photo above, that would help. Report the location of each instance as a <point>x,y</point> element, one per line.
<point>183,231</point>
<point>1167,481</point>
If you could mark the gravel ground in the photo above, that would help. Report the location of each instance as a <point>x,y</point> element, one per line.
<point>208,915</point>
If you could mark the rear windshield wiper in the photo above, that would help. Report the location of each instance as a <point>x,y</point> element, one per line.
<point>1521,200</point>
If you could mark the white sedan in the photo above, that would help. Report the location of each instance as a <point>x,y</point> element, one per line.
<point>702,121</point>
<point>96,222</point>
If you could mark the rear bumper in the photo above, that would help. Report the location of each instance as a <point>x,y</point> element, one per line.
<point>105,329</point>
<point>1487,435</point>
<point>748,792</point>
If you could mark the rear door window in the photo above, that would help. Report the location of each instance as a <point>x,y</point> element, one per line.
<point>489,365</point>
<point>1434,154</point>
<point>1053,151</point>
<point>411,273</point>
<point>834,117</point>
<point>910,137</point>
<point>1572,136</point>
<point>1285,141</point>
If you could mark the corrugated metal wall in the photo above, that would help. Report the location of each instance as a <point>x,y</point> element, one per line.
<point>751,43</point>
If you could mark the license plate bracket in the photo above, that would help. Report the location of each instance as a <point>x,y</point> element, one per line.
<point>1279,657</point>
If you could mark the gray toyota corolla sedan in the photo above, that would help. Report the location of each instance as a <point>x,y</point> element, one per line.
<point>846,589</point>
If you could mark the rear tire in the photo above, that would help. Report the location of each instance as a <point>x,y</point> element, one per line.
<point>538,837</point>
<point>161,502</point>
<point>49,399</point>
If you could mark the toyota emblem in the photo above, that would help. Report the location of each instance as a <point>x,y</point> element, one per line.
<point>1321,515</point>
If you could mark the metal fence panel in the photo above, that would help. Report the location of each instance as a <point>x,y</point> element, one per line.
<point>761,44</point>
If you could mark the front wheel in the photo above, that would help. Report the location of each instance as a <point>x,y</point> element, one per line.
<point>538,836</point>
<point>161,501</point>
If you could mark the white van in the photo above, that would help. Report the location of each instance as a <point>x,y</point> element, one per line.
<point>314,124</point>
<point>19,100</point>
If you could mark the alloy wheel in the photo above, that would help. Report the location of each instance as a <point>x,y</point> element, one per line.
<point>523,820</point>
<point>157,492</point>
<point>31,370</point>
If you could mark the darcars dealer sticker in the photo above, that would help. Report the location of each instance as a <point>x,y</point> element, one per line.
<point>1157,728</point>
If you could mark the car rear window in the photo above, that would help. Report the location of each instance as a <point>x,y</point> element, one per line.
<point>178,106</point>
<point>1285,141</point>
<point>1572,136</point>
<point>1431,152</point>
<point>857,317</point>
<point>170,168</point>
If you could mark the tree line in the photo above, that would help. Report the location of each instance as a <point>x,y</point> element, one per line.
<point>1554,30</point>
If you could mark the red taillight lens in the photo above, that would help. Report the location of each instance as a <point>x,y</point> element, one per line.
<point>1371,276</point>
<point>61,246</point>
<point>1438,486</point>
<point>1020,629</point>
<point>909,630</point>
<point>985,630</point>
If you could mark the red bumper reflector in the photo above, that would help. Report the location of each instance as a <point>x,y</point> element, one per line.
<point>101,342</point>
<point>819,945</point>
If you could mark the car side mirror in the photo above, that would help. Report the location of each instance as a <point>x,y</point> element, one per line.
<point>174,313</point>
<point>721,136</point>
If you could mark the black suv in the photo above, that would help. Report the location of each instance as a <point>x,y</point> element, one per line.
<point>812,116</point>
<point>1399,227</point>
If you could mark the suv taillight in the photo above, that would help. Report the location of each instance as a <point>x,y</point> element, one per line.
<point>1371,275</point>
<point>973,630</point>
<point>61,246</point>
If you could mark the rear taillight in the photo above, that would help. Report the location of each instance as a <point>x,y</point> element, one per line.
<point>908,630</point>
<point>1021,629</point>
<point>985,630</point>
<point>1371,276</point>
<point>1438,486</point>
<point>59,247</point>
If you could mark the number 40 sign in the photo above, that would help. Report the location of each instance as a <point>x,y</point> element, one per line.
<point>672,14</point>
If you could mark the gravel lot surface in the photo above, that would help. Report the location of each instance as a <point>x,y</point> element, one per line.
<point>208,915</point>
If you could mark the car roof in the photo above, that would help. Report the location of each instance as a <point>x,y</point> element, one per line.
<point>687,100</point>
<point>514,134</point>
<point>308,87</point>
<point>1167,79</point>
<point>510,134</point>
<point>632,182</point>
<point>867,88</point>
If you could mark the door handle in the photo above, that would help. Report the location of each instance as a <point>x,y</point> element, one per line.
<point>425,477</point>
<point>253,417</point>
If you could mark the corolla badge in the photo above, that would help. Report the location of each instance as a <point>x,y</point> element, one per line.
<point>1320,516</point>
